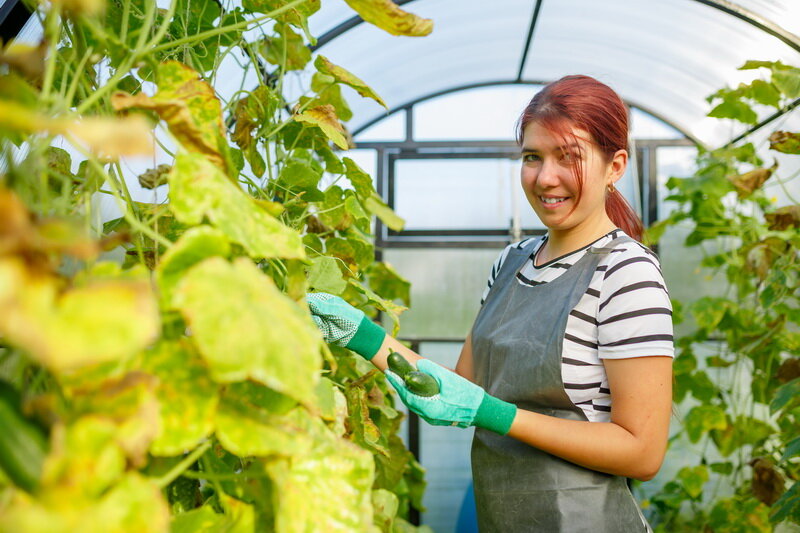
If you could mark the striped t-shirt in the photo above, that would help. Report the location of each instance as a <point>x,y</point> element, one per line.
<point>624,313</point>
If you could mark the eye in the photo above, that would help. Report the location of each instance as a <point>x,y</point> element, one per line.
<point>530,158</point>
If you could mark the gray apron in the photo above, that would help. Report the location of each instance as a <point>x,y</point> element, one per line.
<point>516,345</point>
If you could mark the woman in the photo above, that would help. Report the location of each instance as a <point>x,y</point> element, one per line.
<point>567,371</point>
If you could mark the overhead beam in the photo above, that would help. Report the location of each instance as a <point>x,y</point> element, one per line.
<point>529,39</point>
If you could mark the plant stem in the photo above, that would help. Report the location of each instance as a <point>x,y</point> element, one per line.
<point>179,468</point>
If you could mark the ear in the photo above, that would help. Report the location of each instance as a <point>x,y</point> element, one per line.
<point>617,166</point>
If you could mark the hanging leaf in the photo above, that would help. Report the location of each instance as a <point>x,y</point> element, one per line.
<point>747,183</point>
<point>324,66</point>
<point>785,395</point>
<point>255,332</point>
<point>387,282</point>
<point>385,505</point>
<point>768,483</point>
<point>302,177</point>
<point>198,189</point>
<point>189,107</point>
<point>735,109</point>
<point>186,395</point>
<point>363,430</point>
<point>387,16</point>
<point>693,479</point>
<point>387,215</point>
<point>295,16</point>
<point>362,182</point>
<point>785,142</point>
<point>155,177</point>
<point>324,117</point>
<point>787,79</point>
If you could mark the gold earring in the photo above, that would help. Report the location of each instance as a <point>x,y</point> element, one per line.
<point>611,188</point>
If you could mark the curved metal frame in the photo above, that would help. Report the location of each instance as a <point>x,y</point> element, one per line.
<point>725,6</point>
<point>412,103</point>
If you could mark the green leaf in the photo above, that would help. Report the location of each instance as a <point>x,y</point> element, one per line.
<point>333,211</point>
<point>289,47</point>
<point>787,80</point>
<point>362,182</point>
<point>387,16</point>
<point>702,419</point>
<point>722,468</point>
<point>328,92</point>
<point>198,243</point>
<point>253,420</point>
<point>765,93</point>
<point>295,16</point>
<point>792,449</point>
<point>390,308</point>
<point>201,520</point>
<point>387,282</point>
<point>300,176</point>
<point>785,395</point>
<point>788,506</point>
<point>324,117</point>
<point>337,477</point>
<point>187,397</point>
<point>702,387</point>
<point>69,330</point>
<point>375,205</point>
<point>341,75</point>
<point>364,432</point>
<point>255,332</point>
<point>736,110</point>
<point>356,211</point>
<point>709,311</point>
<point>326,276</point>
<point>752,64</point>
<point>198,189</point>
<point>693,479</point>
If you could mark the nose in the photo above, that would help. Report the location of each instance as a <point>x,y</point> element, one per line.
<point>548,174</point>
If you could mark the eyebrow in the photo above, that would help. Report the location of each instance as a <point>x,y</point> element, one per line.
<point>567,147</point>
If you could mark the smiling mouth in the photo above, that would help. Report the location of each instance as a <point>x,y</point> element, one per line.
<point>552,201</point>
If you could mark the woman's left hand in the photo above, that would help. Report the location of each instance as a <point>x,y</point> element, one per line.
<point>459,402</point>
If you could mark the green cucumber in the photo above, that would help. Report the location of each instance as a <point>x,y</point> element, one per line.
<point>23,445</point>
<point>421,384</point>
<point>399,365</point>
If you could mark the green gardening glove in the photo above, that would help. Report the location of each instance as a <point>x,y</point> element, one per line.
<point>459,402</point>
<point>344,325</point>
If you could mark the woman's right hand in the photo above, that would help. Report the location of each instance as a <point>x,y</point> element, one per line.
<point>344,325</point>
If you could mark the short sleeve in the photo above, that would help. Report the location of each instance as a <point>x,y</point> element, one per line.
<point>498,263</point>
<point>634,317</point>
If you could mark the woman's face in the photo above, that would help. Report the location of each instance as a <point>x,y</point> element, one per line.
<point>549,166</point>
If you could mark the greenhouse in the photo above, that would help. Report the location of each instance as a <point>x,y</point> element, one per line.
<point>422,265</point>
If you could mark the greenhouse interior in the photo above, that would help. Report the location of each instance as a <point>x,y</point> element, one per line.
<point>222,221</point>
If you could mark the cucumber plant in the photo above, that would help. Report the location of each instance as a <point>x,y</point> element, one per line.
<point>158,233</point>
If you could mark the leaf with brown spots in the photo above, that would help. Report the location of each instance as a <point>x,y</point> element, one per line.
<point>785,142</point>
<point>784,218</point>
<point>747,183</point>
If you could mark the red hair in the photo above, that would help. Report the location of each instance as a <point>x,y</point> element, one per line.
<point>585,103</point>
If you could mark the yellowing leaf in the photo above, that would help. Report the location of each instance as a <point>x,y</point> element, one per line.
<point>99,322</point>
<point>335,467</point>
<point>106,137</point>
<point>747,183</point>
<point>341,75</point>
<point>785,141</point>
<point>387,16</point>
<point>252,423</point>
<point>186,394</point>
<point>189,107</point>
<point>199,189</point>
<point>324,117</point>
<point>255,332</point>
<point>325,275</point>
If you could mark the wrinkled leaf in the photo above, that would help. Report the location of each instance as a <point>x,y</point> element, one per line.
<point>324,117</point>
<point>387,282</point>
<point>341,75</point>
<point>189,107</point>
<point>255,332</point>
<point>198,189</point>
<point>385,506</point>
<point>785,142</point>
<point>386,15</point>
<point>362,182</point>
<point>749,182</point>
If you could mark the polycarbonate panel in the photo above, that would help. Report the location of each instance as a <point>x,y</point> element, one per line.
<point>486,113</point>
<point>391,128</point>
<point>331,14</point>
<point>664,56</point>
<point>645,126</point>
<point>460,194</point>
<point>672,161</point>
<point>446,289</point>
<point>785,13</point>
<point>472,41</point>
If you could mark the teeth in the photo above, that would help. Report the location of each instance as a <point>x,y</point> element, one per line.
<point>552,200</point>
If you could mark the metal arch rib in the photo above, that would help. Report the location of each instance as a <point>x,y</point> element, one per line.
<point>412,103</point>
<point>725,6</point>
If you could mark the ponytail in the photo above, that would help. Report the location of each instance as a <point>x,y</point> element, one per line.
<point>622,214</point>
